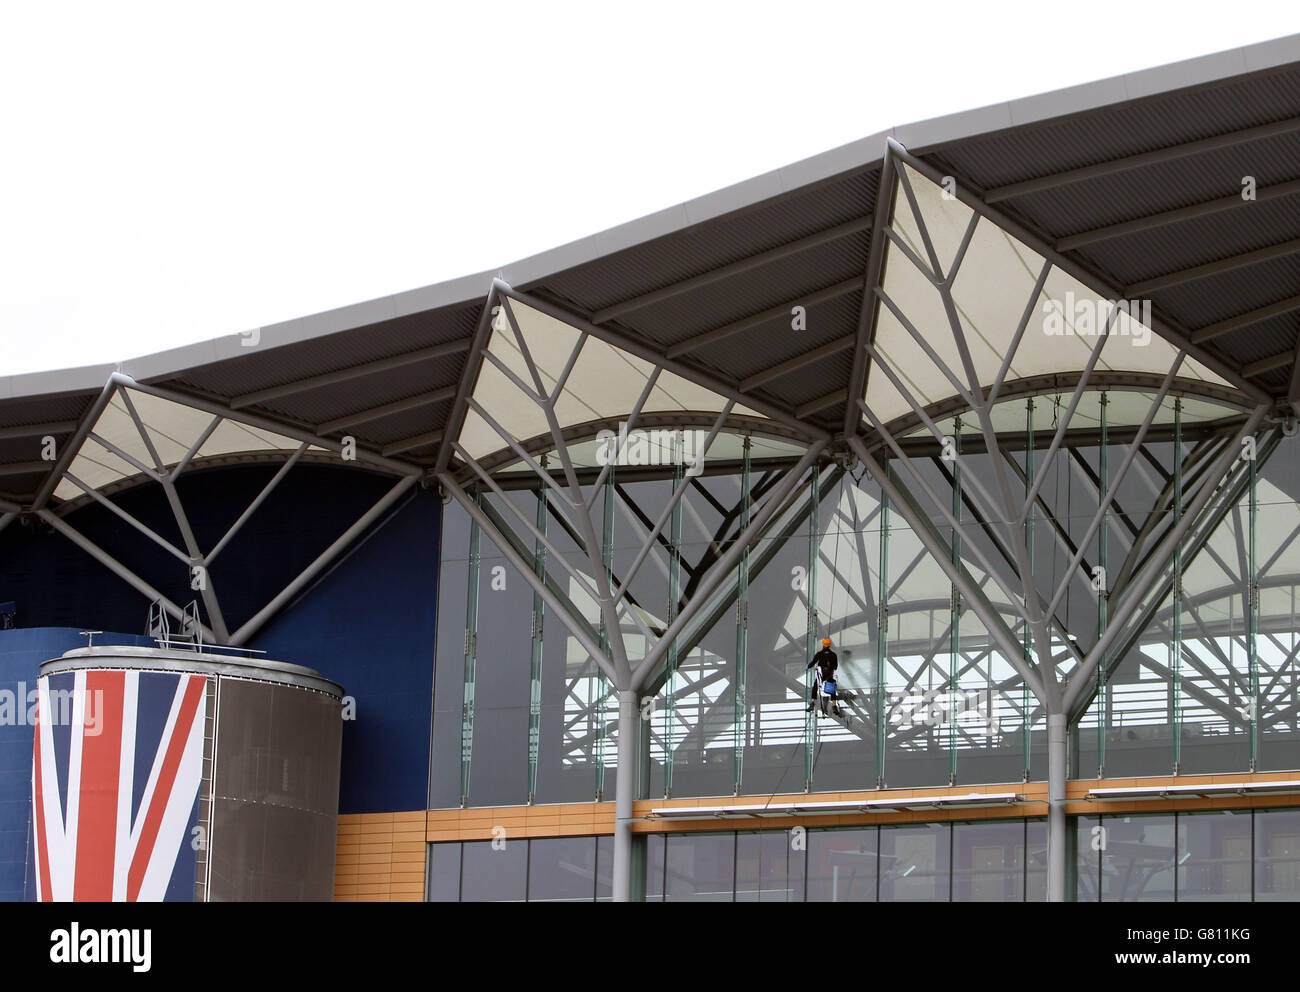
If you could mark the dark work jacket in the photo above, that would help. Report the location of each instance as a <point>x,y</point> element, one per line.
<point>826,661</point>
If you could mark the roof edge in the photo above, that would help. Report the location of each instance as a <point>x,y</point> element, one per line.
<point>860,154</point>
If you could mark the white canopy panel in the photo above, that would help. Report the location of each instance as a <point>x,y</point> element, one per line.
<point>173,429</point>
<point>603,384</point>
<point>993,285</point>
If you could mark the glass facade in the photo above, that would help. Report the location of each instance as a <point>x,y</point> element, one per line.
<point>543,869</point>
<point>927,697</point>
<point>1217,856</point>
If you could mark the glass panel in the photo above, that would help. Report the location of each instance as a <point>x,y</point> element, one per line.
<point>775,694</point>
<point>567,743</point>
<point>562,869</point>
<point>1036,861</point>
<point>1214,859</point>
<point>1089,840</point>
<point>842,865</point>
<point>915,863</point>
<point>654,872</point>
<point>449,661</point>
<point>499,766</point>
<point>847,586</point>
<point>604,868</point>
<point>701,867</point>
<point>1138,859</point>
<point>444,873</point>
<point>1278,643</point>
<point>769,868</point>
<point>989,862</point>
<point>497,874</point>
<point>1277,855</point>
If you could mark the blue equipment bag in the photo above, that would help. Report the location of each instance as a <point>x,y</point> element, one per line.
<point>828,687</point>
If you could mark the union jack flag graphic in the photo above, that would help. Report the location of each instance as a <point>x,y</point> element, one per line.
<point>116,773</point>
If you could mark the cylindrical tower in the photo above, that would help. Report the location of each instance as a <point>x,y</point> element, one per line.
<point>180,775</point>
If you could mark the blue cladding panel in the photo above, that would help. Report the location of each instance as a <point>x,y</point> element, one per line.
<point>369,625</point>
<point>21,654</point>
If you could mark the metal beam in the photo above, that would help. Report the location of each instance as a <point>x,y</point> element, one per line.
<point>473,365</point>
<point>796,363</point>
<point>411,443</point>
<point>1229,264</point>
<point>822,403</point>
<point>388,409</point>
<point>1151,222</point>
<point>259,620</point>
<point>348,374</point>
<point>1270,364</point>
<point>781,310</point>
<point>733,269</point>
<point>1211,331</point>
<point>116,567</point>
<point>70,449</point>
<point>123,515</point>
<point>257,501</point>
<point>38,430</point>
<point>1117,165</point>
<point>1293,390</point>
<point>885,190</point>
<point>24,468</point>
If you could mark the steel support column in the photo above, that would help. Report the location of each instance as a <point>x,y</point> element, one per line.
<point>629,729</point>
<point>1056,777</point>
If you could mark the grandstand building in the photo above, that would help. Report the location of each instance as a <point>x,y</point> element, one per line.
<point>507,588</point>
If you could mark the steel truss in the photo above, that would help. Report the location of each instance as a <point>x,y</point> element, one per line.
<point>1006,501</point>
<point>574,505</point>
<point>196,561</point>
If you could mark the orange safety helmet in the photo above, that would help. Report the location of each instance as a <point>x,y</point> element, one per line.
<point>826,642</point>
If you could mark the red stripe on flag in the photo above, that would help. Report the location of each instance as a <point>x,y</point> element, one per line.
<point>101,763</point>
<point>163,789</point>
<point>38,812</point>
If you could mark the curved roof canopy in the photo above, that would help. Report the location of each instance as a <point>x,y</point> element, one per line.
<point>1128,189</point>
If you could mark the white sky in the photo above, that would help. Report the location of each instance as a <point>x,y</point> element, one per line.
<point>173,172</point>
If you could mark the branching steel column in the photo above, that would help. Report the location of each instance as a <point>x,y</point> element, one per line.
<point>740,686</point>
<point>1056,777</point>
<point>471,655</point>
<point>629,729</point>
